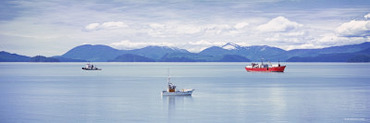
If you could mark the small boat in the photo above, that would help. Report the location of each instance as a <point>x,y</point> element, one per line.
<point>171,90</point>
<point>254,67</point>
<point>90,67</point>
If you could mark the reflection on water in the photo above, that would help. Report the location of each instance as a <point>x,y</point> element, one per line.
<point>278,103</point>
<point>176,103</point>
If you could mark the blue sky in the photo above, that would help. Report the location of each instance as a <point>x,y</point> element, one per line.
<point>52,27</point>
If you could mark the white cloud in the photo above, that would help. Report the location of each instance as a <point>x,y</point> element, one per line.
<point>187,29</point>
<point>106,25</point>
<point>367,16</point>
<point>329,38</point>
<point>295,34</point>
<point>127,44</point>
<point>172,29</point>
<point>354,28</point>
<point>282,32</point>
<point>92,26</point>
<point>183,29</point>
<point>157,25</point>
<point>332,39</point>
<point>279,24</point>
<point>302,46</point>
<point>114,24</point>
<point>241,25</point>
<point>352,32</point>
<point>287,38</point>
<point>216,28</point>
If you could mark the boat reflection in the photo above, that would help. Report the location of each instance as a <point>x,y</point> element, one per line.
<point>176,103</point>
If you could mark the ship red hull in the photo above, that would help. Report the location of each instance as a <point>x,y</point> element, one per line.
<point>271,69</point>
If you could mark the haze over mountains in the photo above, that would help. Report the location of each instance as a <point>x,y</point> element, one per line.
<point>229,52</point>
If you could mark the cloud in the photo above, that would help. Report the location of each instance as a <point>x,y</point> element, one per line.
<point>116,24</point>
<point>279,24</point>
<point>241,25</point>
<point>127,44</point>
<point>282,32</point>
<point>106,25</point>
<point>216,28</point>
<point>176,29</point>
<point>354,28</point>
<point>367,16</point>
<point>92,26</point>
<point>332,39</point>
<point>171,29</point>
<point>164,30</point>
<point>352,32</point>
<point>302,46</point>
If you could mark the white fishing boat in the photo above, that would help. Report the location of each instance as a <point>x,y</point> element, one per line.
<point>90,67</point>
<point>171,90</point>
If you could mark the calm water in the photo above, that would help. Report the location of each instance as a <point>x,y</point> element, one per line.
<point>224,92</point>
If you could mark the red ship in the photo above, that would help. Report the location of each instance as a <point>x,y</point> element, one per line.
<point>265,67</point>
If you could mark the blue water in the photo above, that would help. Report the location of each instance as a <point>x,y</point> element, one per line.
<point>224,92</point>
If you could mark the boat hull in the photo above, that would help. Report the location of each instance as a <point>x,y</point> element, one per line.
<point>178,93</point>
<point>90,69</point>
<point>268,69</point>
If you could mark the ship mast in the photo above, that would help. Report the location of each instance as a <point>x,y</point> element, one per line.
<point>261,61</point>
<point>171,87</point>
<point>168,76</point>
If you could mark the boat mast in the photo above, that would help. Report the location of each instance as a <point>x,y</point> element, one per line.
<point>168,76</point>
<point>261,61</point>
<point>171,87</point>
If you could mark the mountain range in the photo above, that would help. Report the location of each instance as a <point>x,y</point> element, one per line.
<point>229,52</point>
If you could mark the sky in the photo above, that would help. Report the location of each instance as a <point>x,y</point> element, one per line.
<point>52,27</point>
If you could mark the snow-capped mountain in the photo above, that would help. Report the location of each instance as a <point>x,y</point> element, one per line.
<point>230,46</point>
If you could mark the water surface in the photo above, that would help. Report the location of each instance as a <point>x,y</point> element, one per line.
<point>224,92</point>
